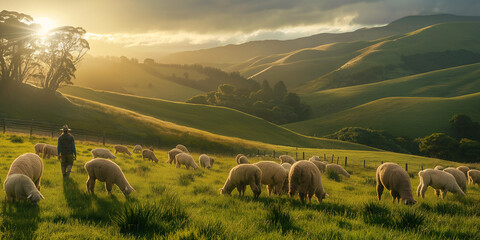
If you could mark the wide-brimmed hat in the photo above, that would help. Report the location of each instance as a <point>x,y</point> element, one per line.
<point>65,128</point>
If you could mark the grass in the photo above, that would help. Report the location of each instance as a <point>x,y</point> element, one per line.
<point>162,208</point>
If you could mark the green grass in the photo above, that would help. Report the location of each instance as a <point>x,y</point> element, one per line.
<point>163,207</point>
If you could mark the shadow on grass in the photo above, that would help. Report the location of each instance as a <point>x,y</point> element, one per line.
<point>20,220</point>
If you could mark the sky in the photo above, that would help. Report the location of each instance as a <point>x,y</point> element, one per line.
<point>154,28</point>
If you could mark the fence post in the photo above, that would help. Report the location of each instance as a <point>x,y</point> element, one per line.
<point>31,128</point>
<point>422,167</point>
<point>104,138</point>
<point>296,156</point>
<point>273,153</point>
<point>382,162</point>
<point>303,156</point>
<point>406,167</point>
<point>4,126</point>
<point>337,159</point>
<point>53,129</point>
<point>345,161</point>
<point>324,157</point>
<point>332,157</point>
<point>363,163</point>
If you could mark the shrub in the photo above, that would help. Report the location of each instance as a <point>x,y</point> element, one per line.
<point>15,139</point>
<point>277,217</point>
<point>185,179</point>
<point>333,175</point>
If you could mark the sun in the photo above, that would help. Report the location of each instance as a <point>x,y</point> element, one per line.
<point>46,24</point>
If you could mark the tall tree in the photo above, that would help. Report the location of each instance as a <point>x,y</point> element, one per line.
<point>279,91</point>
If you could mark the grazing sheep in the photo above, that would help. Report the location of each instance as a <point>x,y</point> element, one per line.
<point>122,149</point>
<point>137,149</point>
<point>314,158</point>
<point>241,159</point>
<point>172,153</point>
<point>185,159</point>
<point>206,161</point>
<point>286,158</point>
<point>337,168</point>
<point>30,165</point>
<point>439,167</point>
<point>39,148</point>
<point>273,175</point>
<point>474,177</point>
<point>459,178</point>
<point>439,180</point>
<point>102,153</point>
<point>183,148</point>
<point>148,154</point>
<point>242,175</point>
<point>105,170</point>
<point>287,166</point>
<point>464,169</point>
<point>305,178</point>
<point>49,150</point>
<point>20,187</point>
<point>321,166</point>
<point>396,179</point>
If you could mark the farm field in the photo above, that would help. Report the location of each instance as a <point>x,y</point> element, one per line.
<point>185,204</point>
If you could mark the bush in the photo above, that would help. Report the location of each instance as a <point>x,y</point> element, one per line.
<point>16,139</point>
<point>333,175</point>
<point>277,217</point>
<point>185,179</point>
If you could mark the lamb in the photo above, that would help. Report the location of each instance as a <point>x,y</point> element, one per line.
<point>321,166</point>
<point>206,161</point>
<point>439,180</point>
<point>305,178</point>
<point>241,159</point>
<point>185,159</point>
<point>286,158</point>
<point>107,171</point>
<point>20,187</point>
<point>396,179</point>
<point>122,149</point>
<point>137,149</point>
<point>459,178</point>
<point>183,148</point>
<point>30,165</point>
<point>49,150</point>
<point>149,154</point>
<point>287,166</point>
<point>474,177</point>
<point>102,153</point>
<point>464,169</point>
<point>39,148</point>
<point>273,175</point>
<point>171,155</point>
<point>242,175</point>
<point>439,167</point>
<point>337,168</point>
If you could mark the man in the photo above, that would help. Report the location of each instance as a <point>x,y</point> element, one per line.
<point>66,151</point>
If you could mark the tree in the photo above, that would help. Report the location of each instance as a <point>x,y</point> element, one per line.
<point>279,91</point>
<point>470,150</point>
<point>463,127</point>
<point>439,145</point>
<point>199,99</point>
<point>148,61</point>
<point>64,48</point>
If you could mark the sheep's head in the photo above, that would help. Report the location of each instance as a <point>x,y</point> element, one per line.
<point>35,197</point>
<point>128,190</point>
<point>114,157</point>
<point>222,191</point>
<point>322,196</point>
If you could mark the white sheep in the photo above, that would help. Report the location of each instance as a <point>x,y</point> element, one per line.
<point>286,158</point>
<point>149,154</point>
<point>137,149</point>
<point>273,175</point>
<point>337,168</point>
<point>242,175</point>
<point>473,177</point>
<point>464,169</point>
<point>185,159</point>
<point>49,150</point>
<point>107,171</point>
<point>287,166</point>
<point>206,161</point>
<point>439,167</point>
<point>30,165</point>
<point>305,178</point>
<point>321,166</point>
<point>437,179</point>
<point>39,148</point>
<point>102,153</point>
<point>241,159</point>
<point>314,158</point>
<point>20,187</point>
<point>396,179</point>
<point>183,148</point>
<point>122,149</point>
<point>459,178</point>
<point>172,153</point>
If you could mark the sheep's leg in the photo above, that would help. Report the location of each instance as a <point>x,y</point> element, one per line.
<point>241,189</point>
<point>91,185</point>
<point>301,196</point>
<point>278,189</point>
<point>423,190</point>
<point>444,193</point>
<point>37,184</point>
<point>395,195</point>
<point>418,188</point>
<point>177,165</point>
<point>437,192</point>
<point>187,166</point>
<point>109,186</point>
<point>269,189</point>
<point>379,190</point>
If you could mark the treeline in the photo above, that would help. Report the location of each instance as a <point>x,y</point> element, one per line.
<point>462,146</point>
<point>275,104</point>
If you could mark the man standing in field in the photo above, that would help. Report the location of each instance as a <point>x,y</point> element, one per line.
<point>66,151</point>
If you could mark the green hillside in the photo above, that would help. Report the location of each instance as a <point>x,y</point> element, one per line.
<point>400,116</point>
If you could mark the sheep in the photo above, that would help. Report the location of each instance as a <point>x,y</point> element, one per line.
<point>439,167</point>
<point>185,159</point>
<point>107,171</point>
<point>20,187</point>
<point>102,153</point>
<point>337,168</point>
<point>396,179</point>
<point>314,158</point>
<point>39,148</point>
<point>49,150</point>
<point>440,180</point>
<point>242,175</point>
<point>474,177</point>
<point>122,149</point>
<point>286,158</point>
<point>171,155</point>
<point>459,178</point>
<point>321,166</point>
<point>183,148</point>
<point>241,159</point>
<point>287,166</point>
<point>305,178</point>
<point>137,149</point>
<point>273,175</point>
<point>30,165</point>
<point>206,161</point>
<point>464,169</point>
<point>149,154</point>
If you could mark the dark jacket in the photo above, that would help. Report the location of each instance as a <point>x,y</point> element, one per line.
<point>66,144</point>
